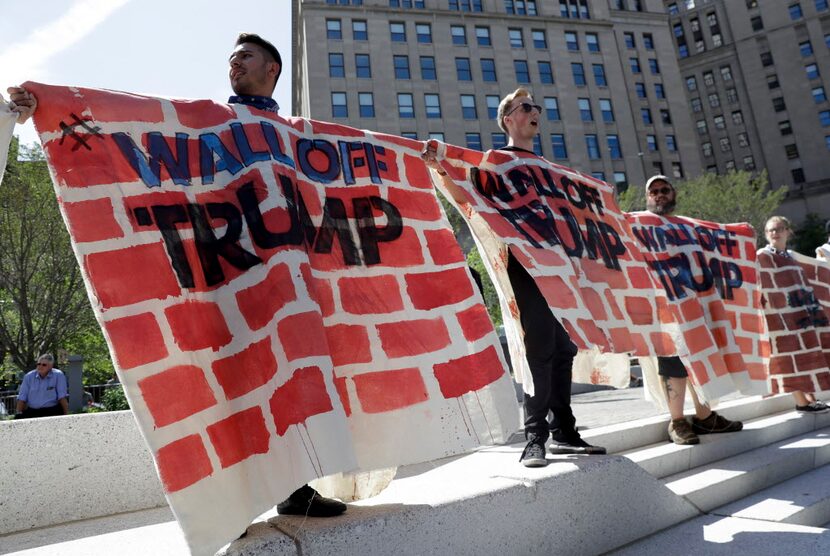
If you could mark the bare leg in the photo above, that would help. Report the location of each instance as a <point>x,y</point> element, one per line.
<point>675,389</point>
<point>800,398</point>
<point>702,411</point>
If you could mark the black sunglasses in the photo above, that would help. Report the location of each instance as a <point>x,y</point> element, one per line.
<point>661,191</point>
<point>526,108</point>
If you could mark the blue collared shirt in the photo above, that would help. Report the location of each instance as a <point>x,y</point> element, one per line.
<point>43,392</point>
<point>263,103</point>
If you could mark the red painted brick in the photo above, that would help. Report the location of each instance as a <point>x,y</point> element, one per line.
<point>777,300</point>
<point>183,462</point>
<point>698,339</point>
<point>415,205</point>
<point>302,396</point>
<point>665,312</point>
<point>343,393</point>
<point>475,322</point>
<point>745,345</point>
<point>429,290</point>
<point>349,344</point>
<point>407,250</point>
<point>557,292</point>
<point>260,302</point>
<point>781,364</point>
<point>176,393</point>
<point>639,310</point>
<point>593,302</point>
<point>765,261</point>
<point>757,371</point>
<point>642,348</point>
<point>390,390</point>
<point>247,370</point>
<point>640,278</point>
<point>795,319</point>
<point>372,295</point>
<point>611,300</point>
<point>691,309</point>
<point>739,297</point>
<point>823,380</point>
<point>752,323</point>
<point>663,344</point>
<point>545,257</point>
<point>501,227</point>
<point>775,388</point>
<point>809,339</point>
<point>303,335</point>
<point>774,322</point>
<point>699,371</point>
<point>417,173</point>
<point>596,271</point>
<point>798,382</point>
<point>593,334</point>
<point>766,281</point>
<point>198,325</point>
<point>130,275</point>
<point>136,340</point>
<point>319,289</point>
<point>824,274</point>
<point>809,361</point>
<point>469,373</point>
<point>239,436</point>
<point>621,340</point>
<point>203,113</point>
<point>824,338</point>
<point>443,248</point>
<point>764,348</point>
<point>734,362</point>
<point>719,334</point>
<point>786,277</point>
<point>92,220</point>
<point>413,337</point>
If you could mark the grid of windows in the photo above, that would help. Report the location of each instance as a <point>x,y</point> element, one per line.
<point>360,31</point>
<point>397,31</point>
<point>401,64</point>
<point>468,107</point>
<point>406,108</point>
<point>423,33</point>
<point>520,7</point>
<point>362,66</point>
<point>606,110</point>
<point>433,105</point>
<point>819,94</point>
<point>641,89</point>
<point>462,69</point>
<point>648,41</point>
<point>654,66</point>
<point>366,103</point>
<point>599,75</point>
<point>629,40</point>
<point>428,68</point>
<point>492,106</point>
<point>795,11</point>
<point>592,146</point>
<point>806,48</point>
<point>483,36</point>
<point>339,108</point>
<point>552,108</point>
<point>473,141</point>
<point>659,91</point>
<point>522,71</point>
<point>585,112</point>
<point>592,42</point>
<point>571,40</point>
<point>334,29</point>
<point>545,73</point>
<point>540,39</point>
<point>812,71</point>
<point>671,143</point>
<point>557,143</point>
<point>516,38</point>
<point>336,67</point>
<point>651,142</point>
<point>634,63</point>
<point>614,148</point>
<point>645,113</point>
<point>499,140</point>
<point>488,69</point>
<point>459,34</point>
<point>578,72</point>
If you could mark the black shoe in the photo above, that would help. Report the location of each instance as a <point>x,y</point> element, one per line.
<point>307,501</point>
<point>815,407</point>
<point>715,424</point>
<point>572,444</point>
<point>534,453</point>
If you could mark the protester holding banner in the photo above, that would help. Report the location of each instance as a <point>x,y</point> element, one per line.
<point>661,199</point>
<point>548,347</point>
<point>802,308</point>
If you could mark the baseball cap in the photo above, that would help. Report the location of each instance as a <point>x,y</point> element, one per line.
<point>653,179</point>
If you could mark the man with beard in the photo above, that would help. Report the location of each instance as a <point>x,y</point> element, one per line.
<point>661,199</point>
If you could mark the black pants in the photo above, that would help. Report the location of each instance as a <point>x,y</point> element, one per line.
<point>671,367</point>
<point>33,412</point>
<point>550,354</point>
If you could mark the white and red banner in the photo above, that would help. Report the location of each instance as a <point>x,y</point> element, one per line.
<point>283,299</point>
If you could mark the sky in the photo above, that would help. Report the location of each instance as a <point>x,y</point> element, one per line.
<point>170,48</point>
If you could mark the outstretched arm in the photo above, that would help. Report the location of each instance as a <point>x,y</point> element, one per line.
<point>24,103</point>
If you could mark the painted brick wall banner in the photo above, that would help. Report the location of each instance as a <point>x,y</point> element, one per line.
<point>796,298</point>
<point>598,278</point>
<point>283,299</point>
<point>708,272</point>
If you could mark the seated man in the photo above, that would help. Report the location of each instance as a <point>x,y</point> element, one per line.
<point>43,392</point>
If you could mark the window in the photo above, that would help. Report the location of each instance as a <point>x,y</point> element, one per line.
<point>732,95</point>
<point>708,79</point>
<point>696,105</point>
<point>671,143</point>
<point>336,68</point>
<point>409,135</point>
<point>474,141</point>
<point>459,34</point>
<point>635,65</point>
<point>557,143</point>
<point>366,102</point>
<point>519,7</point>
<point>827,142</point>
<point>700,46</point>
<point>578,73</point>
<point>522,71</point>
<point>606,110</point>
<point>691,83</point>
<point>707,149</point>
<point>433,105</point>
<point>730,165</point>
<point>423,32</point>
<point>359,30</point>
<point>462,69</point>
<point>725,146</point>
<point>363,66</point>
<point>592,146</point>
<point>614,147</point>
<point>592,40</point>
<point>641,90</point>
<point>676,170</point>
<point>488,69</point>
<point>646,115</point>
<point>757,23</point>
<point>743,140</point>
<point>791,150</point>
<point>334,29</point>
<point>499,140</point>
<point>339,109</point>
<point>516,38</point>
<point>599,75</point>
<point>492,106</point>
<point>468,107</point>
<point>701,127</point>
<point>824,118</point>
<point>483,36</point>
<point>651,142</point>
<point>571,40</point>
<point>806,48</point>
<point>714,101</point>
<point>819,95</point>
<point>750,4</point>
<point>406,107</point>
<point>785,128</point>
<point>665,116</point>
<point>677,28</point>
<point>401,66</point>
<point>598,175</point>
<point>749,163</point>
<point>726,73</point>
<point>465,5</point>
<point>585,112</point>
<point>798,175</point>
<point>778,104</point>
<point>821,5</point>
<point>717,39</point>
<point>672,9</point>
<point>552,108</point>
<point>737,117</point>
<point>545,73</point>
<point>766,59</point>
<point>827,40</point>
<point>436,135</point>
<point>812,71</point>
<point>795,11</point>
<point>720,122</point>
<point>772,81</point>
<point>695,24</point>
<point>539,39</point>
<point>629,40</point>
<point>397,31</point>
<point>683,50</point>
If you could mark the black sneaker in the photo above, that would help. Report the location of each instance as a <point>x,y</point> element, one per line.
<point>572,444</point>
<point>308,502</point>
<point>534,454</point>
<point>715,424</point>
<point>815,407</point>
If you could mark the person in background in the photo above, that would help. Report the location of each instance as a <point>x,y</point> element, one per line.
<point>823,250</point>
<point>43,392</point>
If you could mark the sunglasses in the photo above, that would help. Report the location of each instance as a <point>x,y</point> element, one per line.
<point>42,364</point>
<point>526,107</point>
<point>661,191</point>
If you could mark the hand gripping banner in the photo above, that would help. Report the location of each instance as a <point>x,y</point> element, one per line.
<point>283,299</point>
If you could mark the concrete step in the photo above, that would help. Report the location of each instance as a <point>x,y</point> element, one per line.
<point>719,483</point>
<point>665,458</point>
<point>802,500</point>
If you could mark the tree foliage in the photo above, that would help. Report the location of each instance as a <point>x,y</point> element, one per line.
<point>733,197</point>
<point>809,235</point>
<point>43,303</point>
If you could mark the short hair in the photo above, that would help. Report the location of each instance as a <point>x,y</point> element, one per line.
<point>253,38</point>
<point>783,219</point>
<point>505,105</point>
<point>48,357</point>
